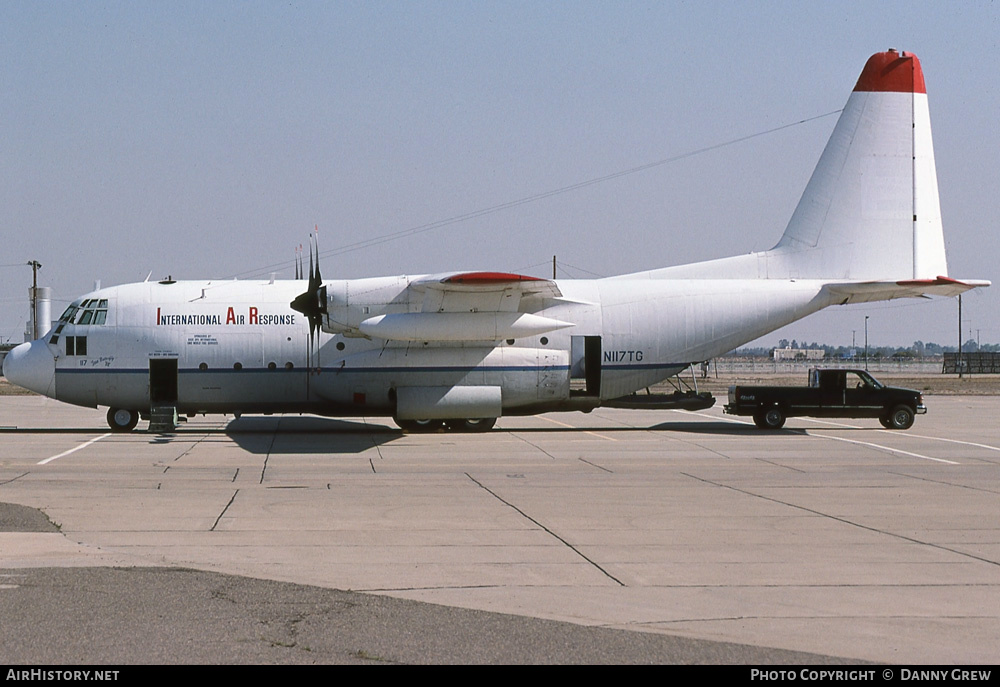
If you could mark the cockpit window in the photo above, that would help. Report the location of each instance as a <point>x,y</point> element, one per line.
<point>91,311</point>
<point>67,316</point>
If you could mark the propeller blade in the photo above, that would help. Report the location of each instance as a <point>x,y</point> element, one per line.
<point>312,302</point>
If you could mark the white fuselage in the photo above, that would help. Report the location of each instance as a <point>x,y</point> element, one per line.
<point>239,347</point>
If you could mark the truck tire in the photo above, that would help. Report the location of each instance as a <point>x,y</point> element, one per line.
<point>901,417</point>
<point>769,418</point>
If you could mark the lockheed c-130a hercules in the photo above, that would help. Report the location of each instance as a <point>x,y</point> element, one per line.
<point>463,349</point>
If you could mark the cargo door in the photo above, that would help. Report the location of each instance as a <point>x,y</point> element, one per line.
<point>585,366</point>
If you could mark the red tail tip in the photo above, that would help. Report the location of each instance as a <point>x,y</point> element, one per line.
<point>897,72</point>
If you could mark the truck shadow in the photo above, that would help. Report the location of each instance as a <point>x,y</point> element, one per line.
<point>721,428</point>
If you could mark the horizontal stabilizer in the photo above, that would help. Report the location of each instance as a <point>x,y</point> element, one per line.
<point>868,291</point>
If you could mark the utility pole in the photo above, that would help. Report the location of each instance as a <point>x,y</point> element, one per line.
<point>35,266</point>
<point>553,267</point>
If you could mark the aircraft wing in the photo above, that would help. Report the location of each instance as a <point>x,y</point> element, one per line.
<point>868,291</point>
<point>471,306</point>
<point>461,291</point>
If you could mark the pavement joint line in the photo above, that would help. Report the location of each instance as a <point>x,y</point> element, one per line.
<point>216,523</point>
<point>845,521</point>
<point>74,449</point>
<point>535,446</point>
<point>270,447</point>
<point>545,529</point>
<point>944,482</point>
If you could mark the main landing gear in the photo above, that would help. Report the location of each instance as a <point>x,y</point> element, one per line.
<point>483,424</point>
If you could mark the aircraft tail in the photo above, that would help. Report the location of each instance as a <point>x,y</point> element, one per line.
<point>870,211</point>
<point>871,208</point>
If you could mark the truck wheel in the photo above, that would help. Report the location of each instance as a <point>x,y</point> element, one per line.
<point>901,417</point>
<point>884,421</point>
<point>772,418</point>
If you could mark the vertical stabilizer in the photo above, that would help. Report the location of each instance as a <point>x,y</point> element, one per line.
<point>871,209</point>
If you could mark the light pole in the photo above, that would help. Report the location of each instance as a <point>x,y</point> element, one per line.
<point>866,342</point>
<point>959,336</point>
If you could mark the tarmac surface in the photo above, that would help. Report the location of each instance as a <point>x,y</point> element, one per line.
<point>610,537</point>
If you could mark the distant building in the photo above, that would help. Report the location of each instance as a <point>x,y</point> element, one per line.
<point>790,353</point>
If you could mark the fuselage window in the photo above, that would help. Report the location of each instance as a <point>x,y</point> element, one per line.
<point>76,345</point>
<point>86,317</point>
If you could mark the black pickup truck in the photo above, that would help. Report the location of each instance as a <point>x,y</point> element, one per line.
<point>831,393</point>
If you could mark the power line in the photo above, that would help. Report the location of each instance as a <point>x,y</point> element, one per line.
<point>420,229</point>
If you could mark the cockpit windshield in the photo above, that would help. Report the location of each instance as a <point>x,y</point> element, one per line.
<point>91,311</point>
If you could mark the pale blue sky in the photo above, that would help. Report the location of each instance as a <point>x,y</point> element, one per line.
<point>205,139</point>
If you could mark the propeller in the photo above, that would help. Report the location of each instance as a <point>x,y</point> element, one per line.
<point>312,301</point>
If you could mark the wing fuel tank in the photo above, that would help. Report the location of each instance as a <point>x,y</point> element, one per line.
<point>456,326</point>
<point>448,402</point>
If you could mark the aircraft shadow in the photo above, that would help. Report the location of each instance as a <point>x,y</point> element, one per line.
<point>282,435</point>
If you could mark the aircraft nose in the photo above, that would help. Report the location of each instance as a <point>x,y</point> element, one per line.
<point>32,366</point>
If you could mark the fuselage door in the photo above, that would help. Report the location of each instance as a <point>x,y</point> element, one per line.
<point>163,381</point>
<point>585,365</point>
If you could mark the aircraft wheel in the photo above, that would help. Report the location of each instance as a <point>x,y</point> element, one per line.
<point>417,426</point>
<point>901,417</point>
<point>121,420</point>
<point>480,424</point>
<point>772,418</point>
